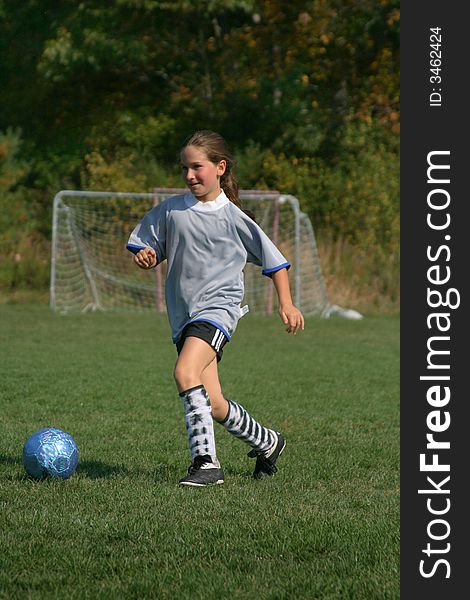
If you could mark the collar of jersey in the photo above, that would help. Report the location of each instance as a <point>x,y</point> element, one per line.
<point>194,204</point>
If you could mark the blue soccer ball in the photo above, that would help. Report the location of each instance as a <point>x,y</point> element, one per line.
<point>50,452</point>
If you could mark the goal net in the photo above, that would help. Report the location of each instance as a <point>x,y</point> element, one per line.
<point>92,270</point>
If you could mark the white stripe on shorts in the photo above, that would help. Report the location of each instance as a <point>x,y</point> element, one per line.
<point>219,341</point>
<point>217,331</point>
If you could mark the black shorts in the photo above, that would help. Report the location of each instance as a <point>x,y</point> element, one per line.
<point>204,331</point>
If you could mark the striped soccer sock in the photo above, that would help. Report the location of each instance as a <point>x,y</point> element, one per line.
<point>199,424</point>
<point>242,425</point>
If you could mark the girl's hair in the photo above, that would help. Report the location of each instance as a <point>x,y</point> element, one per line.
<point>215,148</point>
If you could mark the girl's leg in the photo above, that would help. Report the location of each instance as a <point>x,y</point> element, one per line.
<point>235,418</point>
<point>210,380</point>
<point>194,358</point>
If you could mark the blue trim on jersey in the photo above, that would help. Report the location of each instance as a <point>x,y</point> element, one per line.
<point>134,249</point>
<point>269,272</point>
<point>212,323</point>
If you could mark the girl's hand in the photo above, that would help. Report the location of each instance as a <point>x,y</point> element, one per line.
<point>292,317</point>
<point>146,258</point>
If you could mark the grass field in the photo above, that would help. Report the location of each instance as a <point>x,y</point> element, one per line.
<point>325,527</point>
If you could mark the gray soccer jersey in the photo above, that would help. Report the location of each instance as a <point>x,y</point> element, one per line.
<point>207,245</point>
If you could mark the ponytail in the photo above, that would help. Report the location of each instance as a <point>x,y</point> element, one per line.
<point>230,186</point>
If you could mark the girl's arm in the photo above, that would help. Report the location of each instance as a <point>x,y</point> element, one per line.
<point>290,315</point>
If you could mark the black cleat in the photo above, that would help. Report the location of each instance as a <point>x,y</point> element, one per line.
<point>203,472</point>
<point>266,461</point>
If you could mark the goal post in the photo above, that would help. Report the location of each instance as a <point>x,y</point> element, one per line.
<point>92,270</point>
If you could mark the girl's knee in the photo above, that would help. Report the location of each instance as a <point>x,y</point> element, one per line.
<point>185,376</point>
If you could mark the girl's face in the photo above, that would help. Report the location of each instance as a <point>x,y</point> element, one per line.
<point>200,174</point>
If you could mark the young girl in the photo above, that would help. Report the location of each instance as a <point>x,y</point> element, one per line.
<point>207,240</point>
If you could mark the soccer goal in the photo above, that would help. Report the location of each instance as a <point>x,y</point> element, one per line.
<point>92,270</point>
